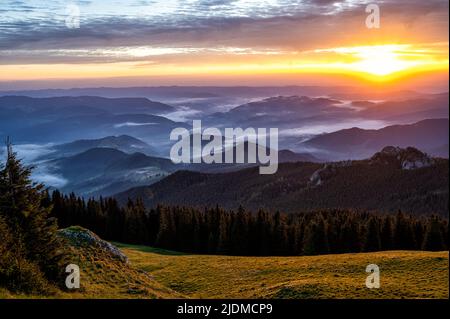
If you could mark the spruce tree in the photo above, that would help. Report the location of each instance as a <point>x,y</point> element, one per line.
<point>404,233</point>
<point>348,238</point>
<point>223,245</point>
<point>29,222</point>
<point>315,240</point>
<point>239,232</point>
<point>386,235</point>
<point>433,240</point>
<point>372,240</point>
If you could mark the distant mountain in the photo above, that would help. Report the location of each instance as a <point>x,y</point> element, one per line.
<point>79,103</point>
<point>441,151</point>
<point>281,112</point>
<point>111,164</point>
<point>124,143</point>
<point>158,92</point>
<point>63,119</point>
<point>150,128</point>
<point>284,156</point>
<point>286,104</point>
<point>58,120</point>
<point>104,171</point>
<point>373,184</point>
<point>382,94</point>
<point>356,143</point>
<point>300,117</point>
<point>409,110</point>
<point>288,156</point>
<point>184,91</point>
<point>299,111</point>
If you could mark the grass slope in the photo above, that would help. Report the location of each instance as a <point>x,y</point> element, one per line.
<point>102,275</point>
<point>404,274</point>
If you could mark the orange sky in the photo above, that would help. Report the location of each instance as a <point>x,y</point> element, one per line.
<point>232,39</point>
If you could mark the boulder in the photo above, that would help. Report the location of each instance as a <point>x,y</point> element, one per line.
<point>80,237</point>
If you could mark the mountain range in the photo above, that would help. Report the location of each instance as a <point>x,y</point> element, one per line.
<point>115,163</point>
<point>393,179</point>
<point>65,119</point>
<point>124,143</point>
<point>355,143</point>
<point>97,145</point>
<point>105,171</point>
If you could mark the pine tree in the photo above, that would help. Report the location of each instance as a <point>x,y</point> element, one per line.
<point>372,240</point>
<point>444,230</point>
<point>386,234</point>
<point>239,233</point>
<point>7,252</point>
<point>315,238</point>
<point>167,230</point>
<point>223,245</point>
<point>349,239</point>
<point>29,222</point>
<point>279,236</point>
<point>433,240</point>
<point>403,234</point>
<point>297,248</point>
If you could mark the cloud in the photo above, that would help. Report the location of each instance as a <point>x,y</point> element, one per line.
<point>29,152</point>
<point>183,114</point>
<point>49,180</point>
<point>127,124</point>
<point>33,33</point>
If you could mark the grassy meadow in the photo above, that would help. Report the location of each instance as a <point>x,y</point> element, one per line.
<point>404,274</point>
<point>157,273</point>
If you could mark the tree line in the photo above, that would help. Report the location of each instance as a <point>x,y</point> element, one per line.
<point>213,230</point>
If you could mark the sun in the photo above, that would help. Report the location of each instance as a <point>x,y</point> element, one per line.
<point>382,62</point>
<point>379,60</point>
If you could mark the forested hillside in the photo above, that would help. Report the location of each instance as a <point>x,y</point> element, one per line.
<point>405,179</point>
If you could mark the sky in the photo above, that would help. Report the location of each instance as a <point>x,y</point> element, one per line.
<point>220,41</point>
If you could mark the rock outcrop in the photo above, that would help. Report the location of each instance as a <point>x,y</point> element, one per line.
<point>326,172</point>
<point>407,159</point>
<point>402,158</point>
<point>81,238</point>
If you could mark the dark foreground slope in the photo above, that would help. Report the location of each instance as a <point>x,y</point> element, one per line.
<point>105,272</point>
<point>394,179</point>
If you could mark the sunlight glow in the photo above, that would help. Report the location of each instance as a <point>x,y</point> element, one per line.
<point>384,60</point>
<point>377,63</point>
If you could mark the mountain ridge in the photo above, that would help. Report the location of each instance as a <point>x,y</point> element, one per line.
<point>427,135</point>
<point>360,184</point>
